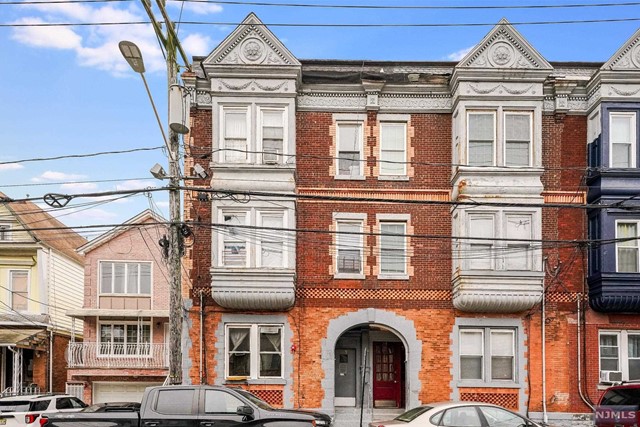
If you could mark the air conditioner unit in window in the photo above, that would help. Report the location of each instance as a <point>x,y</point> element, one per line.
<point>270,157</point>
<point>610,376</point>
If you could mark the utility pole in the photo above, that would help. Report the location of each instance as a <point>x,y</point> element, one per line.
<point>172,46</point>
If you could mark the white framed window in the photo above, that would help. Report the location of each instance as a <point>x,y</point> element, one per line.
<point>272,129</point>
<point>271,245</point>
<point>480,255</point>
<point>627,252</point>
<point>487,354</point>
<point>255,237</point>
<point>253,351</point>
<point>619,355</point>
<point>349,247</point>
<point>501,240</point>
<point>350,156</point>
<point>393,248</point>
<point>517,138</point>
<point>19,289</point>
<point>481,135</point>
<point>235,134</point>
<point>129,278</point>
<point>518,255</point>
<point>124,339</point>
<point>622,139</point>
<point>234,251</point>
<point>393,149</point>
<point>500,138</point>
<point>5,231</point>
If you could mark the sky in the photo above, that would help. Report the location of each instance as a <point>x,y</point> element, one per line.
<point>68,91</point>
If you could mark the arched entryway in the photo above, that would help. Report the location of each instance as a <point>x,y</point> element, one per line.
<point>371,360</point>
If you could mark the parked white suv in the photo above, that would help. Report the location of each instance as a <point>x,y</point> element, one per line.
<point>27,410</point>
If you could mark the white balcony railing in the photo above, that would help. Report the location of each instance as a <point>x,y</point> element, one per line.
<point>98,355</point>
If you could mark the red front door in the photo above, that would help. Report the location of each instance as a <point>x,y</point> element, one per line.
<point>387,374</point>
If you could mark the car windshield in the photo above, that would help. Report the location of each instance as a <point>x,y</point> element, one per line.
<point>621,396</point>
<point>14,405</point>
<point>255,400</point>
<point>412,414</point>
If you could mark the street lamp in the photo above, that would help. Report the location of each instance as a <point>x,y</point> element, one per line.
<point>133,56</point>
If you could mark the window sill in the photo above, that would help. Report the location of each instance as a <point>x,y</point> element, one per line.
<point>355,276</point>
<point>393,178</point>
<point>393,276</point>
<point>246,380</point>
<point>350,177</point>
<point>482,384</point>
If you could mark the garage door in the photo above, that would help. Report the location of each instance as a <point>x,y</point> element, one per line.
<point>119,392</point>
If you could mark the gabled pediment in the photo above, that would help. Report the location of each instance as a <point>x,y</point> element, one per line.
<point>251,43</point>
<point>627,57</point>
<point>504,48</point>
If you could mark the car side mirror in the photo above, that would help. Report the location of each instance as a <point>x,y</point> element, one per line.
<point>245,411</point>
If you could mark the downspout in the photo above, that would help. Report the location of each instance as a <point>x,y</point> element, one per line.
<point>580,391</point>
<point>545,417</point>
<point>201,337</point>
<point>50,361</point>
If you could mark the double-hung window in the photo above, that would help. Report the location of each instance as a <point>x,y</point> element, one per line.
<point>349,247</point>
<point>619,355</point>
<point>622,139</point>
<point>350,149</point>
<point>518,254</point>
<point>393,248</point>
<point>125,339</point>
<point>234,239</point>
<point>131,278</point>
<point>393,149</point>
<point>254,351</point>
<point>235,134</point>
<point>272,128</point>
<point>271,240</point>
<point>487,354</point>
<point>19,286</point>
<point>481,232</point>
<point>627,247</point>
<point>500,138</point>
<point>482,138</point>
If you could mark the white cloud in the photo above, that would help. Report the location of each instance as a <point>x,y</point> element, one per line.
<point>79,186</point>
<point>89,216</point>
<point>197,45</point>
<point>199,7</point>
<point>10,167</point>
<point>458,55</point>
<point>57,176</point>
<point>46,37</point>
<point>162,204</point>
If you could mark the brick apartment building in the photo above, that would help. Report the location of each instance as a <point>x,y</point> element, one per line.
<point>395,233</point>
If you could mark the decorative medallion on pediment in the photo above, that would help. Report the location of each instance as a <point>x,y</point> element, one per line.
<point>251,43</point>
<point>504,48</point>
<point>627,57</point>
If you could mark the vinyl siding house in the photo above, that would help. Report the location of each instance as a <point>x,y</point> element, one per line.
<point>41,277</point>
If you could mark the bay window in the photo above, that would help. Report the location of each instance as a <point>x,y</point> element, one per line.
<point>622,138</point>
<point>627,247</point>
<point>236,132</point>
<point>500,138</point>
<point>272,135</point>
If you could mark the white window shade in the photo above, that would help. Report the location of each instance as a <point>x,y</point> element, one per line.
<point>272,136</point>
<point>471,355</point>
<point>392,248</point>
<point>235,135</point>
<point>393,148</point>
<point>481,135</point>
<point>622,137</point>
<point>518,255</point>
<point>480,251</point>
<point>517,139</point>
<point>271,241</point>
<point>502,355</point>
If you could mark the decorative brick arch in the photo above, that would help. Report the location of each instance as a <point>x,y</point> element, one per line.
<point>401,326</point>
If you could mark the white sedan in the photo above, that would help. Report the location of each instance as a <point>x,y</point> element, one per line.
<point>458,414</point>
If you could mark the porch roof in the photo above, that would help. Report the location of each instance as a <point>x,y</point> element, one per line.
<point>95,312</point>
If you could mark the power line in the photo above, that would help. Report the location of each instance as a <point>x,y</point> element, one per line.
<point>312,25</point>
<point>40,184</point>
<point>74,156</point>
<point>345,6</point>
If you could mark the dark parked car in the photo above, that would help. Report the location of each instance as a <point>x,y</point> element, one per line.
<point>195,406</point>
<point>113,407</point>
<point>618,406</point>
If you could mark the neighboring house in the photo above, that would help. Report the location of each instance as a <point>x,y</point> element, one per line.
<point>125,313</point>
<point>40,278</point>
<point>395,233</point>
<point>614,180</point>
